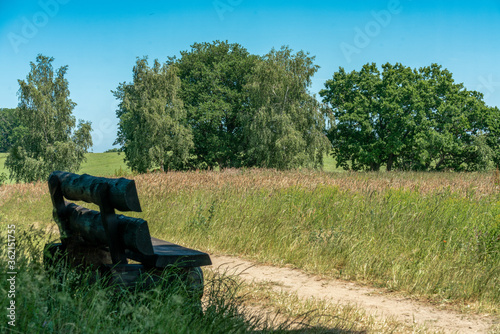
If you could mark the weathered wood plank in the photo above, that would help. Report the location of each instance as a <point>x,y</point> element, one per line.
<point>169,254</point>
<point>122,192</point>
<point>132,232</point>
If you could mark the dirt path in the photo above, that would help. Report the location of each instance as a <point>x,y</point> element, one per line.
<point>373,300</point>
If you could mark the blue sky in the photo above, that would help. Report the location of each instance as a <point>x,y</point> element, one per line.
<point>100,41</point>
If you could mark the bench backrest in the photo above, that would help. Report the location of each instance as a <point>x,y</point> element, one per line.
<point>105,228</point>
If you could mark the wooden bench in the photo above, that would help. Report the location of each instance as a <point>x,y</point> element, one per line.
<point>107,241</point>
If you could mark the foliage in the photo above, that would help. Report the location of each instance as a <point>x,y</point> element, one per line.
<point>240,110</point>
<point>113,150</point>
<point>8,122</point>
<point>214,76</point>
<point>493,136</point>
<point>46,138</point>
<point>408,119</point>
<point>285,128</point>
<point>152,119</point>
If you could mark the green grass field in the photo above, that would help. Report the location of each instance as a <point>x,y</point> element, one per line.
<point>112,164</point>
<point>329,164</point>
<point>3,156</point>
<point>104,164</point>
<point>433,236</point>
<point>97,164</point>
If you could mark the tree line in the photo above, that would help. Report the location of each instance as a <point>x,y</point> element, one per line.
<point>218,105</point>
<point>409,119</point>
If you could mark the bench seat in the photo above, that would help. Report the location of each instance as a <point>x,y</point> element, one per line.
<point>168,254</point>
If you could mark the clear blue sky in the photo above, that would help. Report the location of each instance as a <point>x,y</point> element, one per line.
<point>100,40</point>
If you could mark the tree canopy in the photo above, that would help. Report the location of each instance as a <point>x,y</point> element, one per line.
<point>47,137</point>
<point>408,119</point>
<point>285,128</point>
<point>8,122</point>
<point>219,106</point>
<point>214,77</point>
<point>152,125</point>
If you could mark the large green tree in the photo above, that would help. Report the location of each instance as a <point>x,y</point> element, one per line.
<point>214,76</point>
<point>47,138</point>
<point>457,131</point>
<point>407,119</point>
<point>152,119</point>
<point>493,135</point>
<point>232,109</point>
<point>8,122</point>
<point>285,128</point>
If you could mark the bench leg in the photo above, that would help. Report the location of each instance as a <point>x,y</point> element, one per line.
<point>193,278</point>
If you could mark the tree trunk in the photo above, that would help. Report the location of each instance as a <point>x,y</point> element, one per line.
<point>375,167</point>
<point>390,162</point>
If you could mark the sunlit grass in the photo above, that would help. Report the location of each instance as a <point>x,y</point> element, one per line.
<point>104,164</point>
<point>97,164</point>
<point>433,235</point>
<point>65,301</point>
<point>321,315</point>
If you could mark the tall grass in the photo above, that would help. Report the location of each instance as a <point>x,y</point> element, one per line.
<point>61,300</point>
<point>66,301</point>
<point>434,235</point>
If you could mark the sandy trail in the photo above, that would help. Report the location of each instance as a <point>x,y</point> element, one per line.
<point>375,301</point>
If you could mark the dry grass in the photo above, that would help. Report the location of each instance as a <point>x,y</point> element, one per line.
<point>428,234</point>
<point>465,184</point>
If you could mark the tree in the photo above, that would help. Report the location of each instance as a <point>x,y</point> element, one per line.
<point>406,119</point>
<point>8,122</point>
<point>493,135</point>
<point>46,139</point>
<point>285,128</point>
<point>152,119</point>
<point>214,76</point>
<point>232,109</point>
<point>456,137</point>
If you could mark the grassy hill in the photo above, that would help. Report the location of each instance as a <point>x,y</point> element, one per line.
<point>429,236</point>
<point>104,164</point>
<point>98,164</point>
<point>3,156</point>
<point>112,164</point>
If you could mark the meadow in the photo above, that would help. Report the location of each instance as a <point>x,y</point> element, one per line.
<point>431,236</point>
<point>112,164</point>
<point>103,164</point>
